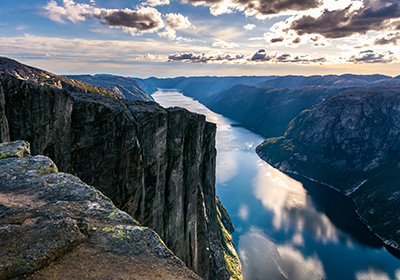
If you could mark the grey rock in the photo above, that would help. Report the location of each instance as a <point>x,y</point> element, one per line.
<point>54,226</point>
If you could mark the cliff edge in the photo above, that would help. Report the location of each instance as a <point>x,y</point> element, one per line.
<point>54,226</point>
<point>156,164</point>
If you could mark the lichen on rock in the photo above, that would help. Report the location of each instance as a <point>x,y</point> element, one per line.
<point>54,226</point>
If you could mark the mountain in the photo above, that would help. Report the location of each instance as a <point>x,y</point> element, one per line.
<point>198,87</point>
<point>265,110</point>
<point>338,81</point>
<point>54,226</point>
<point>127,88</point>
<point>350,141</point>
<point>41,77</point>
<point>156,164</point>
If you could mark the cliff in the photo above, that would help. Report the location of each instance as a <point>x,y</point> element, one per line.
<point>54,226</point>
<point>156,164</point>
<point>349,141</point>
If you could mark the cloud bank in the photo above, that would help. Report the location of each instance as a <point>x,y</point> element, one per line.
<point>134,21</point>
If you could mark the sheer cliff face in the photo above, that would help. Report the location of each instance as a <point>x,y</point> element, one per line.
<point>156,164</point>
<point>351,142</point>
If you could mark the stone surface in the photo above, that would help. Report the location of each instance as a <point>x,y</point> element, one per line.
<point>351,142</point>
<point>54,226</point>
<point>157,164</point>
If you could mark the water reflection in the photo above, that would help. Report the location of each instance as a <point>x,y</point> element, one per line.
<point>292,207</point>
<point>263,259</point>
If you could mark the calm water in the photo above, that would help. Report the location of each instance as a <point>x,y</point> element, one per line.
<point>286,228</point>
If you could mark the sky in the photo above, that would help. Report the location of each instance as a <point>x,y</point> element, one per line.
<point>168,38</point>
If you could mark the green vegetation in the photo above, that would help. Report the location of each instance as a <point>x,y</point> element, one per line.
<point>231,259</point>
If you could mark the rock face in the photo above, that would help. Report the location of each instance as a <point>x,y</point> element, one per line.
<point>351,142</point>
<point>156,164</point>
<point>55,225</point>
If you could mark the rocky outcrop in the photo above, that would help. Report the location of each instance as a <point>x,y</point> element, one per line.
<point>350,142</point>
<point>54,226</point>
<point>157,164</point>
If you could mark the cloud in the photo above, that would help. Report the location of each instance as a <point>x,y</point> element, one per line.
<point>136,22</point>
<point>175,22</point>
<point>249,26</point>
<point>374,15</point>
<point>243,212</point>
<point>225,45</point>
<point>371,273</point>
<point>274,40</point>
<point>71,11</point>
<point>144,19</point>
<point>207,57</point>
<point>168,33</point>
<point>263,56</point>
<point>391,38</point>
<point>261,259</point>
<point>154,3</point>
<point>258,8</point>
<point>370,56</point>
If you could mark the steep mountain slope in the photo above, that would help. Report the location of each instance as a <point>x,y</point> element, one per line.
<point>338,81</point>
<point>350,141</point>
<point>265,110</point>
<point>124,87</point>
<point>55,225</point>
<point>157,164</point>
<point>41,77</point>
<point>198,87</point>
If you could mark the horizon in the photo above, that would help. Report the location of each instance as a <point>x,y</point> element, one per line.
<point>170,38</point>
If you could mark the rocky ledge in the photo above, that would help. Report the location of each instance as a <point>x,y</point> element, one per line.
<point>54,226</point>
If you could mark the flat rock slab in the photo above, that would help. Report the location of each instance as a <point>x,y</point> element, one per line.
<point>54,226</point>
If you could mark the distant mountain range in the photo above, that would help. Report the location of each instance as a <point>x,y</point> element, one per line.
<point>125,87</point>
<point>337,81</point>
<point>198,87</point>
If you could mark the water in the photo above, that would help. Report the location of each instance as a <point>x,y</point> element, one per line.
<point>286,228</point>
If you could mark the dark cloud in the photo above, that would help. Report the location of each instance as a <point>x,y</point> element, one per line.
<point>143,19</point>
<point>275,40</point>
<point>262,7</point>
<point>370,56</point>
<point>296,41</point>
<point>373,15</point>
<point>261,55</point>
<point>269,7</point>
<point>391,38</point>
<point>204,57</point>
